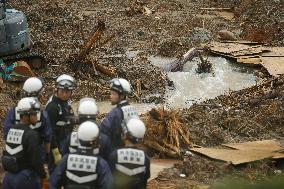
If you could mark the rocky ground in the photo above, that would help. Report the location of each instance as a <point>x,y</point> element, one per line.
<point>164,28</point>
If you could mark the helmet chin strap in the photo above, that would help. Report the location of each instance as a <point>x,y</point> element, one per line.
<point>33,124</point>
<point>29,119</point>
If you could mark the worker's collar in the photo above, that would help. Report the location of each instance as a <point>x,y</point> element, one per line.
<point>22,125</point>
<point>88,150</point>
<point>58,100</point>
<point>123,103</point>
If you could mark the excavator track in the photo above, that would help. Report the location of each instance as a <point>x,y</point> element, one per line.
<point>33,57</point>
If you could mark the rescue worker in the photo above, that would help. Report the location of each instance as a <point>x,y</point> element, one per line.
<point>21,157</point>
<point>114,123</point>
<point>130,165</point>
<point>59,110</point>
<point>88,111</point>
<point>83,169</point>
<point>32,88</point>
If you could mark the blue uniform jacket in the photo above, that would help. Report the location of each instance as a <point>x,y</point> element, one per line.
<point>44,131</point>
<point>111,125</point>
<point>56,179</point>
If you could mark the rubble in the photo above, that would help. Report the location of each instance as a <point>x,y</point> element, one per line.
<point>80,63</point>
<point>6,102</point>
<point>166,28</point>
<point>46,19</point>
<point>259,20</point>
<point>137,7</point>
<point>164,133</point>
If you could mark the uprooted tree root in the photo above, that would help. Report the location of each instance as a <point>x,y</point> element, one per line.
<point>165,134</point>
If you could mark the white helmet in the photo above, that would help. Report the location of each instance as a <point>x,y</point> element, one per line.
<point>120,85</point>
<point>28,105</point>
<point>135,129</point>
<point>65,82</point>
<point>88,107</point>
<point>88,132</point>
<point>32,87</point>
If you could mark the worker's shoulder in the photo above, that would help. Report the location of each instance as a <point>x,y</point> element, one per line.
<point>115,112</point>
<point>11,110</point>
<point>52,105</point>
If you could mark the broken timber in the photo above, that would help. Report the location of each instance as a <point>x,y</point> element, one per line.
<point>251,53</point>
<point>81,58</point>
<point>177,65</point>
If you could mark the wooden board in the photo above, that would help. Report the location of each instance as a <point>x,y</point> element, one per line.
<point>235,156</point>
<point>227,48</point>
<point>254,50</point>
<point>265,145</point>
<point>244,152</point>
<point>253,60</point>
<point>278,156</point>
<point>274,65</point>
<point>158,165</point>
<point>274,52</point>
<point>271,58</point>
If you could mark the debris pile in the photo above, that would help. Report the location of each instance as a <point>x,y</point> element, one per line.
<point>138,7</point>
<point>61,29</point>
<point>77,61</point>
<point>251,114</point>
<point>5,104</point>
<point>259,20</point>
<point>165,134</point>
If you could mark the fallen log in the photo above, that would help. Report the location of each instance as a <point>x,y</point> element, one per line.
<point>80,60</point>
<point>88,46</point>
<point>105,70</point>
<point>177,65</point>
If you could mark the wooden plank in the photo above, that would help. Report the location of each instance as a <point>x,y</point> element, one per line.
<point>235,49</point>
<point>254,50</point>
<point>227,48</point>
<point>234,156</point>
<point>274,65</point>
<point>274,52</point>
<point>158,165</point>
<point>253,60</point>
<point>267,145</point>
<point>244,152</point>
<point>278,156</point>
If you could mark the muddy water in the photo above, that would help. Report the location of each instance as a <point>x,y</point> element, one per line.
<point>191,87</point>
